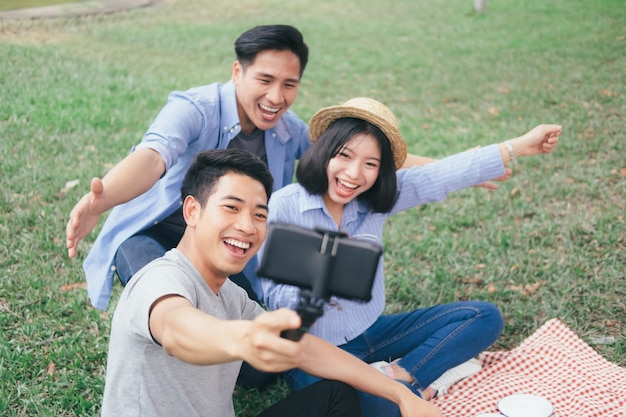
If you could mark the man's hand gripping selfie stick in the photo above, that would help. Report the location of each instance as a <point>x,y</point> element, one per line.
<point>311,303</point>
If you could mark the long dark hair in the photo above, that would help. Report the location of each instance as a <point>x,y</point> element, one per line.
<point>311,172</point>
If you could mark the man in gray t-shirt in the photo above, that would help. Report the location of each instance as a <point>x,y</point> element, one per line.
<point>155,383</point>
<point>182,329</point>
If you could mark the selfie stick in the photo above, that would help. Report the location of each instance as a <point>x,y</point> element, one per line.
<point>311,303</point>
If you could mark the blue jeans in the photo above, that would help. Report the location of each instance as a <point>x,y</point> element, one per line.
<point>135,253</point>
<point>429,341</point>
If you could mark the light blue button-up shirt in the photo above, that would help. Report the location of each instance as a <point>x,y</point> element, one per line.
<point>192,121</point>
<point>343,319</point>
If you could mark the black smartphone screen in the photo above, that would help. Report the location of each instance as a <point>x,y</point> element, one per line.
<point>296,256</point>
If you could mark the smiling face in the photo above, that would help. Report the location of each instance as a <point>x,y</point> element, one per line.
<point>266,88</point>
<point>352,172</point>
<point>227,232</point>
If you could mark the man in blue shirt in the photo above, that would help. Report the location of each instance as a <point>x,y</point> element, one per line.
<point>250,112</point>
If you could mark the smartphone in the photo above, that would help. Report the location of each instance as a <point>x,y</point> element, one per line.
<point>299,256</point>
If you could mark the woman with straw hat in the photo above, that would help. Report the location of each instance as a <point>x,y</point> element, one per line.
<point>350,180</point>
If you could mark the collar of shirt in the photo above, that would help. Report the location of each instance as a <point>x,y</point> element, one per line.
<point>351,211</point>
<point>230,117</point>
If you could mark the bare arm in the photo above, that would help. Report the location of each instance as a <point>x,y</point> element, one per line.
<point>328,361</point>
<point>174,323</point>
<point>541,139</point>
<point>131,177</point>
<point>416,160</point>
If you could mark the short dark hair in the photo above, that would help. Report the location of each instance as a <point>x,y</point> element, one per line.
<point>271,37</point>
<point>312,169</point>
<point>209,166</point>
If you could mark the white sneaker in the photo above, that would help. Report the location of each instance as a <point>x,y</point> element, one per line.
<point>454,375</point>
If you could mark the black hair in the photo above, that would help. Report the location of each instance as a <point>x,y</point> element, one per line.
<point>312,169</point>
<point>209,166</point>
<point>271,37</point>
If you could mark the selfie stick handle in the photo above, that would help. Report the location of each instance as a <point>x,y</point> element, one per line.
<point>309,309</point>
<point>311,305</point>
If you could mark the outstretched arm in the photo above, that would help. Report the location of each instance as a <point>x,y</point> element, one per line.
<point>328,361</point>
<point>174,323</point>
<point>420,161</point>
<point>416,160</point>
<point>131,177</point>
<point>541,139</point>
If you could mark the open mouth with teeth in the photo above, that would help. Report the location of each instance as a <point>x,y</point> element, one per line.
<point>345,188</point>
<point>236,246</point>
<point>268,109</point>
<point>346,184</point>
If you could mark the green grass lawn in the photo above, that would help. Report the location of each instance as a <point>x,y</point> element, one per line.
<point>76,94</point>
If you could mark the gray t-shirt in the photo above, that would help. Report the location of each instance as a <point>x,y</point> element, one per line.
<point>143,380</point>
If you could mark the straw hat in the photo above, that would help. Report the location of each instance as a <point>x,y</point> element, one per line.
<point>369,110</point>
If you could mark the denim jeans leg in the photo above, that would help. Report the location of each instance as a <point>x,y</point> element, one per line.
<point>135,253</point>
<point>467,329</point>
<point>429,342</point>
<point>432,340</point>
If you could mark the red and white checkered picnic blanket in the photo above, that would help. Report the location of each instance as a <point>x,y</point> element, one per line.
<point>554,363</point>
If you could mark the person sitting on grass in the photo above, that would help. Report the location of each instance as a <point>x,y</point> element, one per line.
<point>349,181</point>
<point>181,328</point>
<point>251,112</point>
